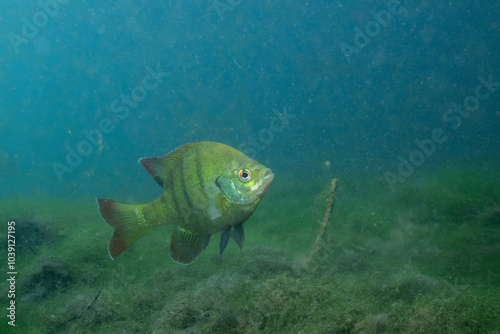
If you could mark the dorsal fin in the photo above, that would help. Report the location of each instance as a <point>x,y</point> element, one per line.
<point>160,168</point>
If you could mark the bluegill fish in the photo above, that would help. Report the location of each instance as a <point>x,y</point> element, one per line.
<point>209,187</point>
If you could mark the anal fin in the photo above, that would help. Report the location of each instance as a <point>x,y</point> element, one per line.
<point>185,246</point>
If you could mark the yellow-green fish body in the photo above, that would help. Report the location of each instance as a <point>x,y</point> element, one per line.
<point>209,187</point>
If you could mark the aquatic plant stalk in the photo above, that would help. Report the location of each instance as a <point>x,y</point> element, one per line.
<point>326,218</point>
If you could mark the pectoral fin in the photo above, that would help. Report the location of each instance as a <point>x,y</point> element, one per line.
<point>185,246</point>
<point>236,233</point>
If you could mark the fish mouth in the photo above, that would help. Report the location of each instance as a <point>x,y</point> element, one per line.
<point>267,179</point>
<point>258,190</point>
<point>268,175</point>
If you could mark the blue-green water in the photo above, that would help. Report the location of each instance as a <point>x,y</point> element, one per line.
<point>397,100</point>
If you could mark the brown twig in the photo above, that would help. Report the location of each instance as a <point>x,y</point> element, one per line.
<point>81,312</point>
<point>324,222</point>
<point>29,246</point>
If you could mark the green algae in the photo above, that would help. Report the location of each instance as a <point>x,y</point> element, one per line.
<point>421,259</point>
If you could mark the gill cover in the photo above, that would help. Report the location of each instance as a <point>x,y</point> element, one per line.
<point>232,190</point>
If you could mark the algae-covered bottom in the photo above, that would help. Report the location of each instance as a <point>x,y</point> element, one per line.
<point>421,259</point>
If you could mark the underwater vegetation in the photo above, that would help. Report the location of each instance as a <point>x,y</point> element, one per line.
<point>422,259</point>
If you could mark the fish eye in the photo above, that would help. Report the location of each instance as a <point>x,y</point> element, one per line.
<point>245,175</point>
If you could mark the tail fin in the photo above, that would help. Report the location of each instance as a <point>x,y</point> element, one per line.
<point>128,222</point>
